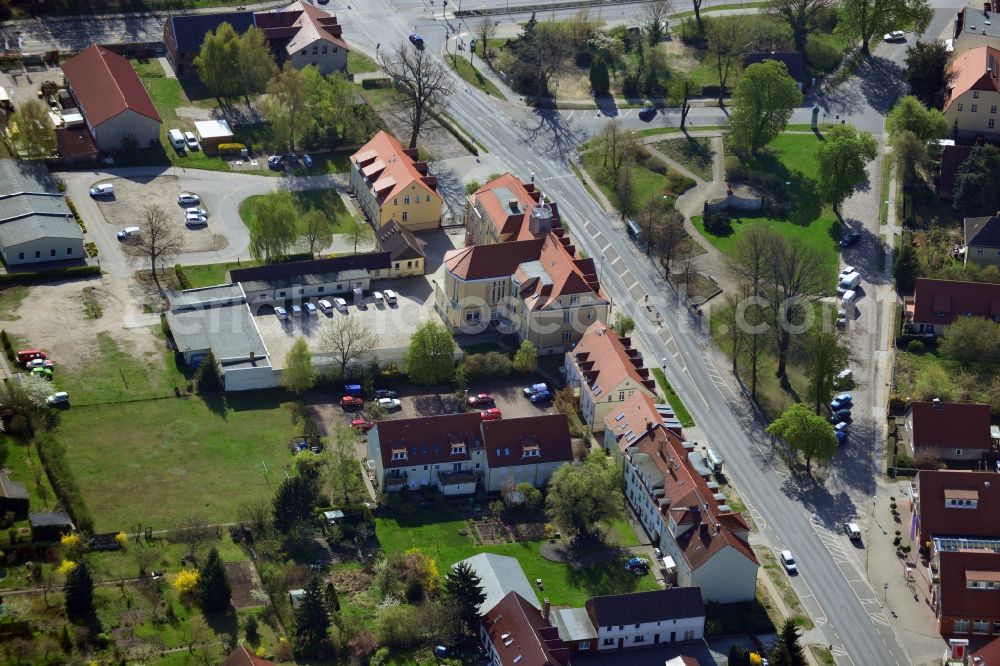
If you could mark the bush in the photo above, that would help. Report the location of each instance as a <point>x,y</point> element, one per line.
<point>182,279</point>
<point>690,34</point>
<point>734,168</point>
<point>583,58</point>
<point>46,276</point>
<point>53,457</point>
<point>487,366</point>
<point>678,183</point>
<point>76,214</point>
<point>822,56</point>
<point>915,346</point>
<point>718,224</point>
<point>231,148</point>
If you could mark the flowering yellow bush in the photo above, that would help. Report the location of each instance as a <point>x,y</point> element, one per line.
<point>186,581</point>
<point>261,651</point>
<point>121,538</point>
<point>66,567</point>
<point>70,541</point>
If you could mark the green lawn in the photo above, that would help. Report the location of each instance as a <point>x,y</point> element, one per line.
<point>359,63</point>
<point>441,540</point>
<point>693,153</point>
<point>10,300</point>
<point>328,201</point>
<point>470,74</point>
<point>683,415</point>
<point>647,183</point>
<point>190,456</point>
<point>207,275</point>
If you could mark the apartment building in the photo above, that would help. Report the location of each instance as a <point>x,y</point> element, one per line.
<point>506,209</point>
<point>973,96</point>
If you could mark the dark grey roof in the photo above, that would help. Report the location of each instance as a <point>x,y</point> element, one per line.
<point>206,297</point>
<point>296,271</point>
<point>12,489</point>
<point>500,575</point>
<point>189,31</point>
<point>398,241</point>
<point>640,607</point>
<point>49,518</point>
<point>228,330</point>
<point>31,206</point>
<point>982,231</point>
<point>792,59</point>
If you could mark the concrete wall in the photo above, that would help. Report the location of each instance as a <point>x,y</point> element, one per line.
<point>975,122</point>
<point>728,577</point>
<point>46,249</point>
<point>109,134</point>
<point>735,202</point>
<point>246,379</point>
<point>325,55</point>
<point>407,268</point>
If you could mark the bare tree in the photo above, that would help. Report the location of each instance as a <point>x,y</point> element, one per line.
<point>195,533</point>
<point>797,279</point>
<point>316,230</point>
<point>681,91</point>
<point>696,4</point>
<point>799,15</point>
<point>725,47</point>
<point>422,83</point>
<point>618,147</point>
<point>256,514</point>
<point>346,339</point>
<point>751,264</point>
<point>484,30</point>
<point>360,232</point>
<point>667,235</point>
<point>145,557</point>
<point>655,13</point>
<point>158,241</point>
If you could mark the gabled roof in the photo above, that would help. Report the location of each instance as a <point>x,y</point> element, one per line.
<point>938,520</point>
<point>508,203</point>
<point>499,575</point>
<point>792,60</point>
<point>606,361</point>
<point>398,170</point>
<point>634,419</point>
<point>398,241</point>
<point>294,271</point>
<point>983,231</point>
<point>301,24</point>
<point>428,440</point>
<point>12,489</point>
<point>480,262</point>
<point>31,206</point>
<point>565,275</point>
<point>960,567</point>
<point>959,425</point>
<point>975,21</point>
<point>521,636</point>
<point>988,655</point>
<point>940,302</point>
<point>241,656</point>
<point>976,69</point>
<point>190,29</point>
<point>640,607</point>
<point>49,518</point>
<point>510,442</point>
<point>106,85</point>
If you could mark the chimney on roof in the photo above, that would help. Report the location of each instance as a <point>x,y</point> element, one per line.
<point>546,607</point>
<point>253,356</point>
<point>649,425</point>
<point>513,205</point>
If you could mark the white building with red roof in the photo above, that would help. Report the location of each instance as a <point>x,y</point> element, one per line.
<point>507,209</point>
<point>972,98</point>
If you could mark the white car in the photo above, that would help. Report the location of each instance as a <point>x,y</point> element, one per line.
<point>847,271</point>
<point>310,309</point>
<point>390,296</point>
<point>196,211</point>
<point>297,310</point>
<point>390,403</point>
<point>191,141</point>
<point>788,561</point>
<point>325,306</point>
<point>895,36</point>
<point>188,199</point>
<point>281,313</point>
<point>341,304</point>
<point>195,220</point>
<point>853,531</point>
<point>58,398</point>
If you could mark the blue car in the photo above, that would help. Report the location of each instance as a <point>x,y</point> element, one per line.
<point>843,415</point>
<point>540,396</point>
<point>535,388</point>
<point>842,401</point>
<point>841,436</point>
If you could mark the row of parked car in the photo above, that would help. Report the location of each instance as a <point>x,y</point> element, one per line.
<point>388,297</point>
<point>38,363</point>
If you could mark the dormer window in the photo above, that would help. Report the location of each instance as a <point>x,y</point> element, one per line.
<point>532,452</point>
<point>399,454</point>
<point>457,449</point>
<point>961,499</point>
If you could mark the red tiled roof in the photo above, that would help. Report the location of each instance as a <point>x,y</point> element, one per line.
<point>241,656</point>
<point>957,599</point>
<point>521,636</point>
<point>105,85</point>
<point>399,166</point>
<point>638,416</point>
<point>988,655</point>
<point>567,275</point>
<point>302,23</point>
<point>605,362</point>
<point>959,425</point>
<point>976,69</point>
<point>939,302</point>
<point>490,261</point>
<point>507,440</point>
<point>507,202</point>
<point>427,440</point>
<point>938,520</point>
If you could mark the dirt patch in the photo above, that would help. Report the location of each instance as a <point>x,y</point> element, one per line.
<point>193,113</point>
<point>351,581</point>
<point>132,194</point>
<point>572,82</point>
<point>243,580</point>
<point>680,57</point>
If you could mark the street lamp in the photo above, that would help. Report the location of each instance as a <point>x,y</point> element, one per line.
<point>885,593</point>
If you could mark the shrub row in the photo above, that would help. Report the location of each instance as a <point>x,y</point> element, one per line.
<point>231,148</point>
<point>45,276</point>
<point>455,132</point>
<point>7,347</point>
<point>53,456</point>
<point>91,248</point>
<point>490,365</point>
<point>76,214</point>
<point>182,279</point>
<point>369,84</point>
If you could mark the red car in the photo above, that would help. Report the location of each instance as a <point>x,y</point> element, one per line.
<point>492,414</point>
<point>362,425</point>
<point>351,401</point>
<point>480,399</point>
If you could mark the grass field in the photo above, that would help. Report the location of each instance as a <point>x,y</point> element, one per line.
<point>207,275</point>
<point>359,63</point>
<point>190,456</point>
<point>647,183</point>
<point>683,415</point>
<point>694,153</point>
<point>10,301</point>
<point>441,540</point>
<point>328,201</point>
<point>470,74</point>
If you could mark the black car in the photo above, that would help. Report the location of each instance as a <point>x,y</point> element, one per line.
<point>385,393</point>
<point>417,40</point>
<point>849,239</point>
<point>843,415</point>
<point>275,163</point>
<point>647,112</point>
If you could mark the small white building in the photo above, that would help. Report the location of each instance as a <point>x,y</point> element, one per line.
<point>644,619</point>
<point>212,133</point>
<point>36,224</point>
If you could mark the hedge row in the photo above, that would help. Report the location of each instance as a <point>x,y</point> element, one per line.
<point>46,276</point>
<point>53,456</point>
<point>183,281</point>
<point>231,148</point>
<point>76,214</point>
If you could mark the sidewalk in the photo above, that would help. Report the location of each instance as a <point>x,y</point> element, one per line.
<point>95,17</point>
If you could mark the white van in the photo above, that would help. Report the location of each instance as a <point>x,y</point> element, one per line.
<point>849,297</point>
<point>102,190</point>
<point>849,281</point>
<point>127,233</point>
<point>176,139</point>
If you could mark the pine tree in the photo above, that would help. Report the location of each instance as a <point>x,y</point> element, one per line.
<point>294,502</point>
<point>789,640</point>
<point>904,266</point>
<point>213,591</point>
<point>600,81</point>
<point>312,622</point>
<point>331,598</point>
<point>208,378</point>
<point>79,594</point>
<point>65,642</point>
<point>465,589</point>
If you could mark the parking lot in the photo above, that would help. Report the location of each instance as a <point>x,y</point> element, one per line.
<point>124,209</point>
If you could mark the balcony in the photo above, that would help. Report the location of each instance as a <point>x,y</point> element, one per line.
<point>457,477</point>
<point>395,482</point>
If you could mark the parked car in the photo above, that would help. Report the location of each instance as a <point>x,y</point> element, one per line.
<point>390,403</point>
<point>647,112</point>
<point>417,40</point>
<point>842,415</point>
<point>390,297</point>
<point>363,425</point>
<point>895,36</point>
<point>196,211</point>
<point>386,393</point>
<point>44,373</point>
<point>24,356</point>
<point>191,141</point>
<point>195,220</point>
<point>352,401</point>
<point>853,531</point>
<point>353,389</point>
<point>847,271</point>
<point>637,565</point>
<point>128,233</point>
<point>535,388</point>
<point>310,308</point>
<point>840,436</point>
<point>842,401</point>
<point>58,398</point>
<point>788,561</point>
<point>341,304</point>
<point>40,363</point>
<point>102,190</point>
<point>492,414</point>
<point>280,312</point>
<point>325,305</point>
<point>188,199</point>
<point>296,310</point>
<point>480,400</point>
<point>275,162</point>
<point>540,396</point>
<point>849,239</point>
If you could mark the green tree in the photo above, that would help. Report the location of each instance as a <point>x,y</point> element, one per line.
<point>726,43</point>
<point>331,599</point>
<point>910,114</point>
<point>800,16</point>
<point>360,232</point>
<point>78,594</point>
<point>788,640</point>
<point>317,232</point>
<point>272,228</point>
<point>977,182</point>
<point>600,81</point>
<point>806,433</point>
<point>32,130</point>
<point>973,342</point>
<point>863,20</point>
<point>464,589</point>
<point>910,155</point>
<point>329,118</point>
<point>256,63</point>
<point>430,358</point>
<point>624,325</point>
<point>531,497</point>
<point>581,495</point>
<point>312,622</point>
<point>218,62</point>
<point>526,357</point>
<point>298,375</point>
<point>763,102</point>
<point>825,357</point>
<point>843,160</point>
<point>285,104</point>
<point>904,266</point>
<point>213,591</point>
<point>208,379</point>
<point>927,71</point>
<point>294,502</point>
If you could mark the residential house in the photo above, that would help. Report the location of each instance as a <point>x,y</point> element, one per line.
<point>516,633</point>
<point>315,278</point>
<point>949,430</point>
<point>36,224</point>
<point>956,510</point>
<point>14,498</point>
<point>536,288</point>
<point>967,593</point>
<point>974,28</point>
<point>390,183</point>
<point>973,96</point>
<point>604,371</point>
<point>792,60</point>
<point>183,35</point>
<point>243,656</point>
<point>506,209</point>
<point>642,619</point>
<point>49,526</point>
<point>112,99</point>
<point>455,452</point>
<point>982,241</point>
<point>406,258</point>
<point>632,419</point>
<point>500,575</point>
<point>937,303</point>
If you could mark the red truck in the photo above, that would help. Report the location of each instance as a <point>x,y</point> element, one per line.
<point>24,356</point>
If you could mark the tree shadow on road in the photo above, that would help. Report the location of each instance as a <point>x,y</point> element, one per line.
<point>553,136</point>
<point>877,82</point>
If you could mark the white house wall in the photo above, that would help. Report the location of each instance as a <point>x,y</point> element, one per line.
<point>334,60</point>
<point>650,633</point>
<point>109,134</point>
<point>44,247</point>
<point>727,577</point>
